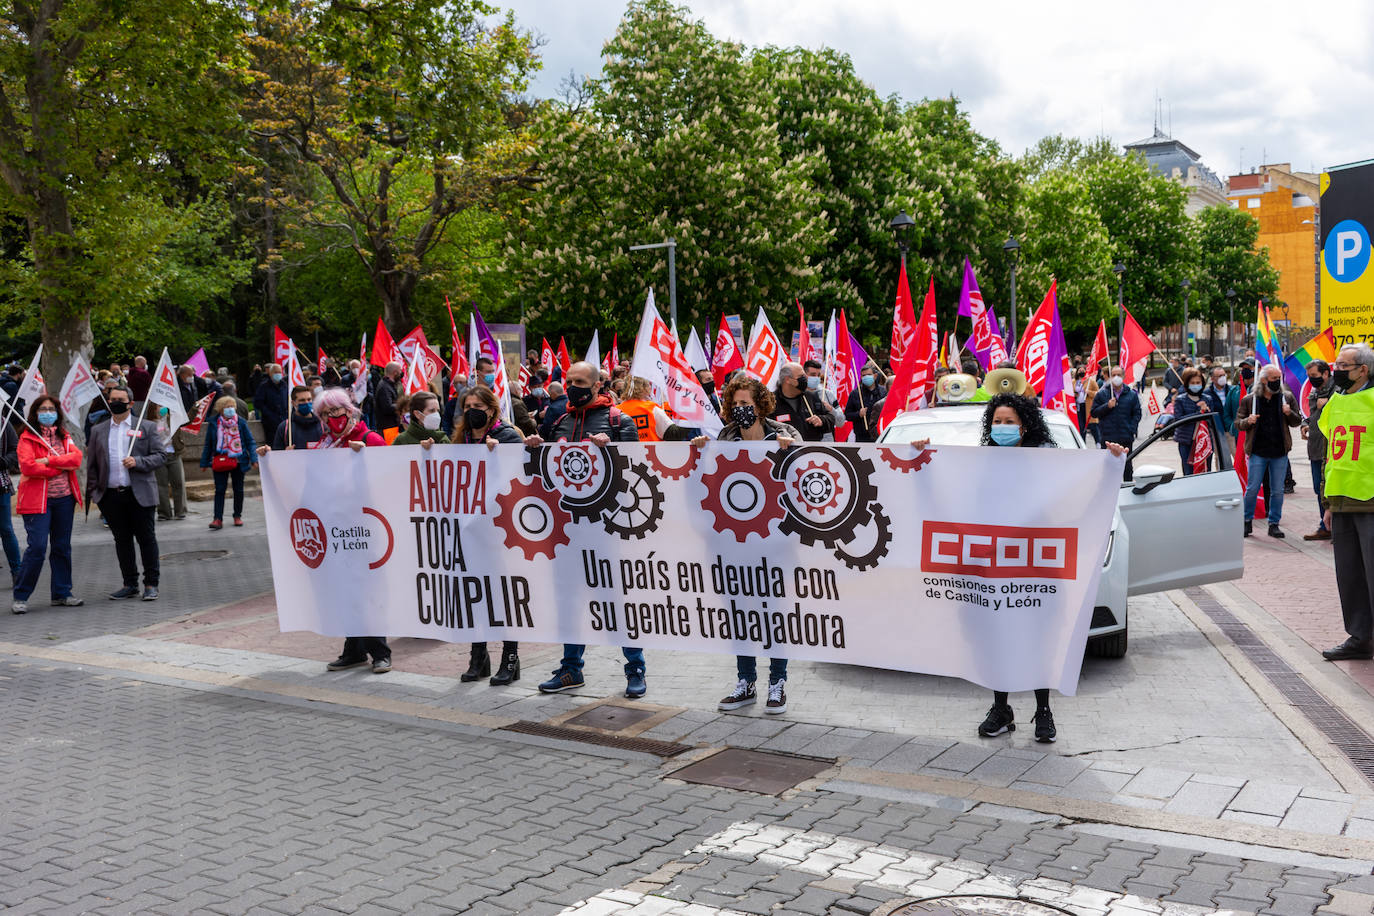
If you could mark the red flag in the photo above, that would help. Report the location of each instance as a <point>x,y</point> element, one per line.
<point>615,348</point>
<point>609,363</point>
<point>804,338</point>
<point>1100,351</point>
<point>546,358</point>
<point>846,379</point>
<point>281,346</point>
<point>1202,446</point>
<point>1241,462</point>
<point>917,372</point>
<point>525,377</point>
<point>1136,347</point>
<point>725,355</point>
<point>415,346</point>
<point>1032,353</point>
<point>564,361</point>
<point>459,365</point>
<point>320,357</point>
<point>202,408</point>
<point>384,349</point>
<point>903,319</point>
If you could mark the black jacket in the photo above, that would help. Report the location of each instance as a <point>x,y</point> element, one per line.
<point>384,404</point>
<point>271,402</point>
<point>580,425</point>
<point>795,412</point>
<point>865,427</point>
<point>304,430</point>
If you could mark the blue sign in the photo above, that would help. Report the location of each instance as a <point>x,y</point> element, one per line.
<point>1347,251</point>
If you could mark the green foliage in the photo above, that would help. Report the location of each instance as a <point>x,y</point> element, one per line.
<point>1229,260</point>
<point>1060,152</point>
<point>1064,238</point>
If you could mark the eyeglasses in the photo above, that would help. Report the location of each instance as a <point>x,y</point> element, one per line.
<point>1340,365</point>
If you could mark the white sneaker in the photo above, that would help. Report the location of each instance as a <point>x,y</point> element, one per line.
<point>19,607</point>
<point>743,694</point>
<point>777,698</point>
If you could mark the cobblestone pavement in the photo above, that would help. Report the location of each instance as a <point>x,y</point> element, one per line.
<point>126,795</point>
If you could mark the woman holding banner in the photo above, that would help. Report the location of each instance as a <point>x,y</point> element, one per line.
<point>229,453</point>
<point>47,499</point>
<point>479,420</point>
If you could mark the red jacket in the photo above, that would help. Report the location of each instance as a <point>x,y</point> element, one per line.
<point>32,498</point>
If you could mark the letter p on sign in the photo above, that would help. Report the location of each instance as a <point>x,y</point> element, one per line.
<point>1347,251</point>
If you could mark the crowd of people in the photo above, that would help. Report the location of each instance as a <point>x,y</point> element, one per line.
<point>134,460</point>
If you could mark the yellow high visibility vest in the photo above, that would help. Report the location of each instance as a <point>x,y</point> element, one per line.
<point>1347,421</point>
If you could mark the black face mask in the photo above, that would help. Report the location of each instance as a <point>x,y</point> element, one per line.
<point>1318,382</point>
<point>743,415</point>
<point>119,408</point>
<point>1247,374</point>
<point>708,386</point>
<point>475,418</point>
<point>1274,384</point>
<point>1343,380</point>
<point>578,396</point>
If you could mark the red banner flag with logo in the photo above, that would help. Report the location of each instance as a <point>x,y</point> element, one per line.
<point>1202,445</point>
<point>281,346</point>
<point>564,360</point>
<point>384,349</point>
<point>803,337</point>
<point>1100,352</point>
<point>546,358</point>
<point>1136,347</point>
<point>903,319</point>
<point>725,355</point>
<point>916,375</point>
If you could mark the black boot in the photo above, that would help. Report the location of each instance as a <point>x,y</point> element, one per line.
<point>479,664</point>
<point>510,666</point>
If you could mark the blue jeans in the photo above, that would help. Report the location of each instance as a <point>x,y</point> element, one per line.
<point>1259,469</point>
<point>572,659</point>
<point>748,669</point>
<point>53,526</point>
<point>1185,454</point>
<point>11,543</point>
<point>1319,487</point>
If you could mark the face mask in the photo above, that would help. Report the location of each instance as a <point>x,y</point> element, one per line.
<point>276,377</point>
<point>47,417</point>
<point>1195,388</point>
<point>119,407</point>
<point>430,420</point>
<point>1316,380</point>
<point>579,396</point>
<point>305,409</point>
<point>1116,381</point>
<point>489,378</point>
<point>743,415</point>
<point>1274,384</point>
<point>230,413</point>
<point>475,418</point>
<point>709,385</point>
<point>868,381</point>
<point>1220,384</point>
<point>1006,434</point>
<point>1247,374</point>
<point>813,382</point>
<point>337,424</point>
<point>316,390</point>
<point>1342,377</point>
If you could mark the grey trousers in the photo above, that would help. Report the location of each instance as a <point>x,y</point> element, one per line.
<point>1352,545</point>
<point>171,488</point>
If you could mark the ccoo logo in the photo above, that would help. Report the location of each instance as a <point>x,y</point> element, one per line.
<point>307,537</point>
<point>999,551</point>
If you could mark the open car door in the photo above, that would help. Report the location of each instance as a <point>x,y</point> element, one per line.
<point>1183,530</point>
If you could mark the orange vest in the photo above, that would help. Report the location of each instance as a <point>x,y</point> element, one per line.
<point>642,412</point>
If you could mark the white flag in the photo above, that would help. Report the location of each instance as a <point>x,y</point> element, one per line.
<point>658,358</point>
<point>594,350</point>
<point>78,389</point>
<point>294,375</point>
<point>833,369</point>
<point>696,355</point>
<point>33,384</point>
<point>502,389</point>
<point>764,356</point>
<point>165,393</point>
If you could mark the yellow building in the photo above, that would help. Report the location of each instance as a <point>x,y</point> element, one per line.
<point>1285,203</point>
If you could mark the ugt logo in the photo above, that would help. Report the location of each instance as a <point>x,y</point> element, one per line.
<point>307,537</point>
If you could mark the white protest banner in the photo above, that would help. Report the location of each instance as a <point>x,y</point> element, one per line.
<point>33,384</point>
<point>658,358</point>
<point>165,393</point>
<point>764,357</point>
<point>862,555</point>
<point>79,388</point>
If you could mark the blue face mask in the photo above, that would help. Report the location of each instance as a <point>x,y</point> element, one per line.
<point>1006,434</point>
<point>489,378</point>
<point>868,381</point>
<point>305,409</point>
<point>1194,388</point>
<point>813,382</point>
<point>230,413</point>
<point>276,377</point>
<point>47,417</point>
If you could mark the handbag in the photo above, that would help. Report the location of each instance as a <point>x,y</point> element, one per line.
<point>223,463</point>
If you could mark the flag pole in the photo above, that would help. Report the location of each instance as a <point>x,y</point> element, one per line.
<point>141,414</point>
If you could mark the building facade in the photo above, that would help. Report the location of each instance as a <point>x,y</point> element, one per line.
<point>1285,203</point>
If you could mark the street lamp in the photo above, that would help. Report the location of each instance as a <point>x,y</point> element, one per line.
<point>1185,284</point>
<point>1120,270</point>
<point>1230,326</point>
<point>1012,249</point>
<point>901,225</point>
<point>671,245</point>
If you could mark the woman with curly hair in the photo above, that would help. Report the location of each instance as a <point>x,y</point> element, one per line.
<point>1013,421</point>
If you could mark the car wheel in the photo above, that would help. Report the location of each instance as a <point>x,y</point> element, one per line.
<point>1112,645</point>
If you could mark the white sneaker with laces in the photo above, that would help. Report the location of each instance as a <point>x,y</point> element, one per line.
<point>777,698</point>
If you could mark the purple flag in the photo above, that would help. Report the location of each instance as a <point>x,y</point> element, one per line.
<point>488,343</point>
<point>1058,393</point>
<point>859,353</point>
<point>199,362</point>
<point>979,339</point>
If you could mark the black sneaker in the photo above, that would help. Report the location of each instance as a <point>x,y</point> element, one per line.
<point>128,591</point>
<point>1044,726</point>
<point>1274,532</point>
<point>562,680</point>
<point>1000,720</point>
<point>341,663</point>
<point>1249,528</point>
<point>744,694</point>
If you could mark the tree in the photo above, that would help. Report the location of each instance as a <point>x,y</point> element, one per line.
<point>1229,258</point>
<point>676,140</point>
<point>1057,152</point>
<point>1064,238</point>
<point>405,113</point>
<point>103,104</point>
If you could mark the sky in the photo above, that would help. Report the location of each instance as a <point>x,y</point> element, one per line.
<point>1241,84</point>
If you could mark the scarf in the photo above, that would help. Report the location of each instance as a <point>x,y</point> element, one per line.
<point>228,441</point>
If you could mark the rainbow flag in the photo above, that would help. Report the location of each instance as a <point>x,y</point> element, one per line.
<point>1267,349</point>
<point>1322,347</point>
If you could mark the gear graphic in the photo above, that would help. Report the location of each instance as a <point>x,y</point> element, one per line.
<point>905,465</point>
<point>668,471</point>
<point>881,537</point>
<point>742,496</point>
<point>576,466</point>
<point>639,505</point>
<point>533,520</point>
<point>848,508</point>
<point>570,468</point>
<point>818,488</point>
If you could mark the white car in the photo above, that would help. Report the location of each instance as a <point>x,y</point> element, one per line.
<point>1168,531</point>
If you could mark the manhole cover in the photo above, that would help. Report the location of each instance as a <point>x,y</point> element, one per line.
<point>754,771</point>
<point>192,556</point>
<point>610,718</point>
<point>978,905</point>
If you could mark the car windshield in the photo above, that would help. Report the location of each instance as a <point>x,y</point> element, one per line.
<point>963,432</point>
